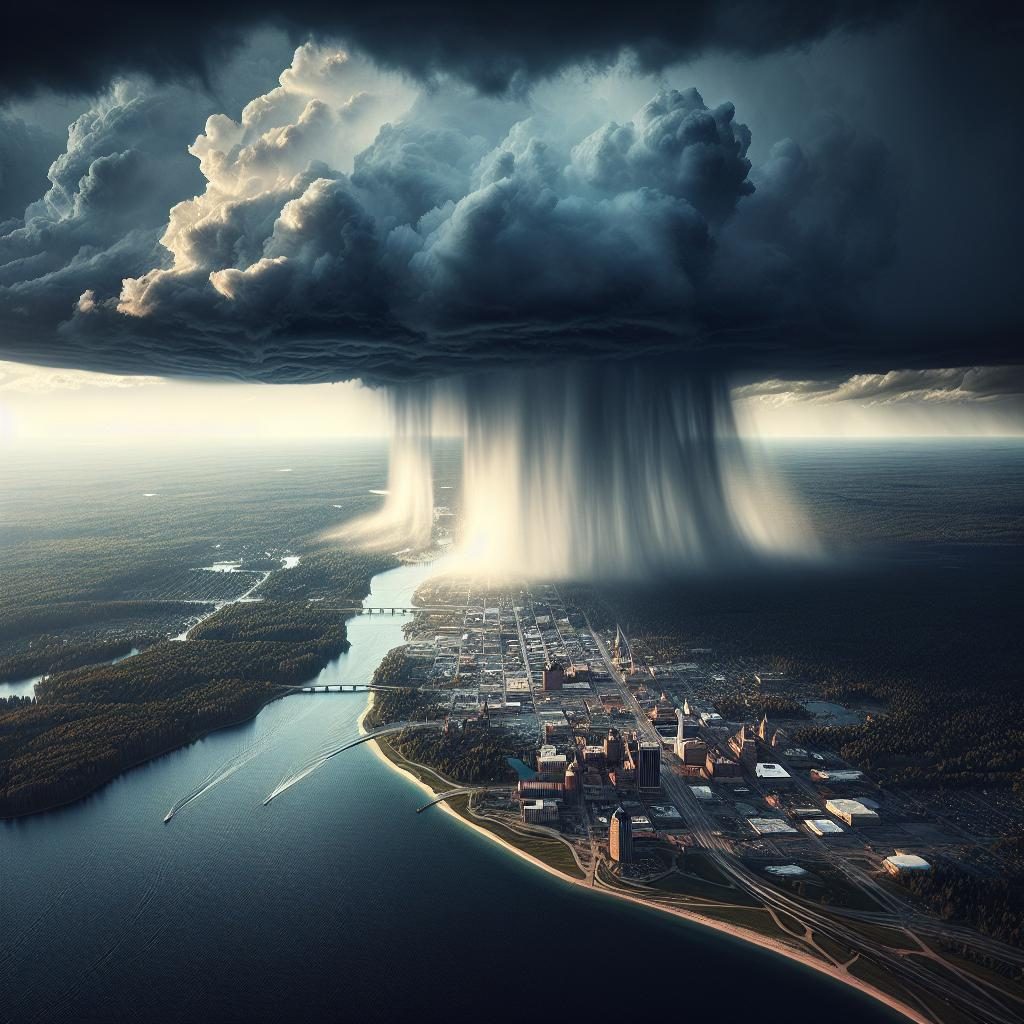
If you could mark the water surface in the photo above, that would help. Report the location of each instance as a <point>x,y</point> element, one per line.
<point>337,901</point>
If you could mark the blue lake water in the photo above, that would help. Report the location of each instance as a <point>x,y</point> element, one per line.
<point>337,901</point>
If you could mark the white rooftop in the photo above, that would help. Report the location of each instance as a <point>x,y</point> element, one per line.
<point>844,806</point>
<point>702,792</point>
<point>823,826</point>
<point>769,826</point>
<point>908,862</point>
<point>843,775</point>
<point>767,770</point>
<point>786,870</point>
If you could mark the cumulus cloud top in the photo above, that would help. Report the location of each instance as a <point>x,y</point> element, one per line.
<point>349,225</point>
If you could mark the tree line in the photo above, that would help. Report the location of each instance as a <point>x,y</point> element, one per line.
<point>88,724</point>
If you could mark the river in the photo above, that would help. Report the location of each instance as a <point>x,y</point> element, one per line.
<point>337,901</point>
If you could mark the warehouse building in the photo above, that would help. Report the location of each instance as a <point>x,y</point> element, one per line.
<point>905,864</point>
<point>853,812</point>
<point>823,827</point>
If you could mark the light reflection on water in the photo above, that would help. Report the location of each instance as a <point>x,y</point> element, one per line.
<point>335,902</point>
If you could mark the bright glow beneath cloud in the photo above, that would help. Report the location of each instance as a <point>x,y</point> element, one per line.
<point>40,405</point>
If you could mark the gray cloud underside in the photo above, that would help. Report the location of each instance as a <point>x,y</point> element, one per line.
<point>467,235</point>
<point>333,232</point>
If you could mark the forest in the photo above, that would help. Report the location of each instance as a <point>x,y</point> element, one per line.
<point>394,668</point>
<point>331,573</point>
<point>938,652</point>
<point>46,654</point>
<point>23,623</point>
<point>733,707</point>
<point>472,755</point>
<point>402,706</point>
<point>88,724</point>
<point>992,905</point>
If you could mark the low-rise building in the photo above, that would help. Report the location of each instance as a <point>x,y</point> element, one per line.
<point>905,864</point>
<point>853,812</point>
<point>540,812</point>
<point>770,826</point>
<point>772,773</point>
<point>540,789</point>
<point>721,768</point>
<point>692,752</point>
<point>823,827</point>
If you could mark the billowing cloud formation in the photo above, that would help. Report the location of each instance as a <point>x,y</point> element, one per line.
<point>490,46</point>
<point>352,227</point>
<point>25,153</point>
<point>970,384</point>
<point>102,213</point>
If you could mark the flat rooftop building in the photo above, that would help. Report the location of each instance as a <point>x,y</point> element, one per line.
<point>853,812</point>
<point>833,777</point>
<point>823,827</point>
<point>540,812</point>
<point>771,772</point>
<point>786,870</point>
<point>770,826</point>
<point>905,863</point>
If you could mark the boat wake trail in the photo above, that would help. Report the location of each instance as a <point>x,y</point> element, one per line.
<point>222,774</point>
<point>323,758</point>
<point>227,769</point>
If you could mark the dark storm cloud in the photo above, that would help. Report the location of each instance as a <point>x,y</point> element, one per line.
<point>490,45</point>
<point>336,232</point>
<point>447,249</point>
<point>25,154</point>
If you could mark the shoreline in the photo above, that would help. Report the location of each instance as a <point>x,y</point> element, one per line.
<point>763,942</point>
<point>124,769</point>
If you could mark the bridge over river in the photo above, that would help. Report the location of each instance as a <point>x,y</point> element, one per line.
<point>359,609</point>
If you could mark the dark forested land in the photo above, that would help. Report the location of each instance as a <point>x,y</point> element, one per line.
<point>934,641</point>
<point>88,724</point>
<point>25,623</point>
<point>328,573</point>
<point>992,905</point>
<point>402,706</point>
<point>46,654</point>
<point>473,755</point>
<point>394,668</point>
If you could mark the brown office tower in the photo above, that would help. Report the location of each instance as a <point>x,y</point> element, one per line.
<point>620,837</point>
<point>553,677</point>
<point>613,748</point>
<point>572,787</point>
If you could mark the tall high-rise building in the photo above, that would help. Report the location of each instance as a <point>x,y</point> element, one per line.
<point>572,784</point>
<point>613,748</point>
<point>553,677</point>
<point>648,765</point>
<point>744,745</point>
<point>620,837</point>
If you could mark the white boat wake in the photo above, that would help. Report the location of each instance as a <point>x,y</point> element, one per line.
<point>229,768</point>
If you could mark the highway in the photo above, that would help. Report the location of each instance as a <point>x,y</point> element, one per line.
<point>968,993</point>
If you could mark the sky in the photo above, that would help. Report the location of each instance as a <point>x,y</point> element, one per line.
<point>42,406</point>
<point>818,204</point>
